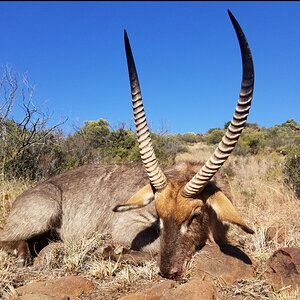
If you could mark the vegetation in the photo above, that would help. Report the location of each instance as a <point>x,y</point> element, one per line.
<point>96,142</point>
<point>260,192</point>
<point>263,175</point>
<point>291,169</point>
<point>31,149</point>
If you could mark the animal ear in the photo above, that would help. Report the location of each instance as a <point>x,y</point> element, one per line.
<point>225,211</point>
<point>141,198</point>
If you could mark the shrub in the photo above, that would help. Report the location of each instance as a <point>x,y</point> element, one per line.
<point>292,169</point>
<point>188,137</point>
<point>166,147</point>
<point>214,136</point>
<point>286,134</point>
<point>251,141</point>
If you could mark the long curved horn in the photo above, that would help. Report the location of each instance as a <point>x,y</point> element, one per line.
<point>233,132</point>
<point>155,174</point>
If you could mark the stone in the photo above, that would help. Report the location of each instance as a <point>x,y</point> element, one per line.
<point>39,297</point>
<point>68,287</point>
<point>283,268</point>
<point>229,264</point>
<point>140,297</point>
<point>193,290</point>
<point>153,293</point>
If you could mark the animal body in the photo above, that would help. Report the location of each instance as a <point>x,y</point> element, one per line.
<point>171,212</point>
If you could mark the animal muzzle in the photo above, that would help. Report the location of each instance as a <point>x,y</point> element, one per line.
<point>173,272</point>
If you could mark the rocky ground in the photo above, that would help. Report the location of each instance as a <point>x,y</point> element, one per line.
<point>212,274</point>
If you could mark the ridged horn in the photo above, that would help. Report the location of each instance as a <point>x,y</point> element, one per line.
<point>154,172</point>
<point>237,124</point>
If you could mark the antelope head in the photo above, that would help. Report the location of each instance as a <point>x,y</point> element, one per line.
<point>188,204</point>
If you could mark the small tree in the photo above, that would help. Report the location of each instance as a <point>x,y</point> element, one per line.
<point>23,139</point>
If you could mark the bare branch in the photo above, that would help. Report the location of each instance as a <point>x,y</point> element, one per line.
<point>8,91</point>
<point>30,134</point>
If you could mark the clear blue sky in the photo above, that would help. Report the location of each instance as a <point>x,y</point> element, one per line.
<point>186,53</point>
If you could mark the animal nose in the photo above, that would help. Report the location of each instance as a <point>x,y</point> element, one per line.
<point>174,273</point>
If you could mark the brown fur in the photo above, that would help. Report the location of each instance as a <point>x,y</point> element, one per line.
<point>186,223</point>
<point>171,202</point>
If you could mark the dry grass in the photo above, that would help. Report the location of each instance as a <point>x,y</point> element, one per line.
<point>112,278</point>
<point>259,192</point>
<point>256,184</point>
<point>9,190</point>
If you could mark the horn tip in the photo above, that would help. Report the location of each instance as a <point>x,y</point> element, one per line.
<point>126,41</point>
<point>125,34</point>
<point>231,16</point>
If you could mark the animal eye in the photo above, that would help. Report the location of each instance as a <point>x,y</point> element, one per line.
<point>185,226</point>
<point>190,220</point>
<point>196,212</point>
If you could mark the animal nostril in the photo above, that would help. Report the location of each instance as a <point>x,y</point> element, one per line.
<point>172,274</point>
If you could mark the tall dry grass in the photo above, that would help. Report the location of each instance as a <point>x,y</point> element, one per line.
<point>266,202</point>
<point>9,190</point>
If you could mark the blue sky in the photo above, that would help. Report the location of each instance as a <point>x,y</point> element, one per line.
<point>186,54</point>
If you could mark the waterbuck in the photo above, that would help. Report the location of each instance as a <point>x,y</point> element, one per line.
<point>171,212</point>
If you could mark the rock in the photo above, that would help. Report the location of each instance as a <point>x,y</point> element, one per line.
<point>140,297</point>
<point>39,297</point>
<point>231,264</point>
<point>193,290</point>
<point>69,287</point>
<point>153,293</point>
<point>283,268</point>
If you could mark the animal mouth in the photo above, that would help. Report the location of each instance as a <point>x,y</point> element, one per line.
<point>173,276</point>
<point>175,273</point>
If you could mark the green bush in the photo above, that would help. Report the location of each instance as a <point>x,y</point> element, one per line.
<point>95,142</point>
<point>292,169</point>
<point>254,140</point>
<point>251,141</point>
<point>188,137</point>
<point>214,136</point>
<point>166,147</point>
<point>123,146</point>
